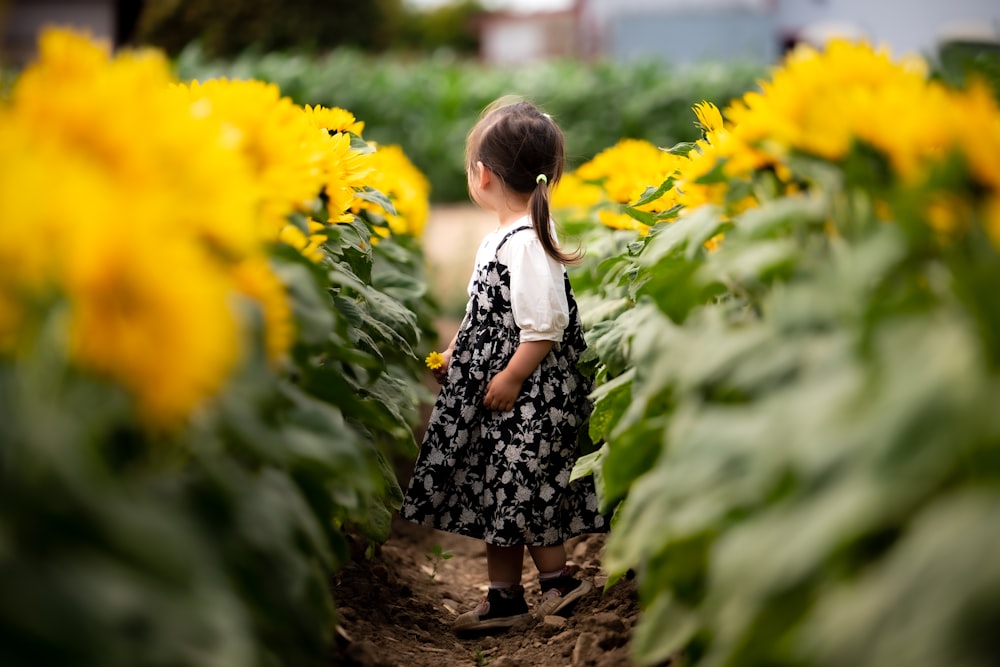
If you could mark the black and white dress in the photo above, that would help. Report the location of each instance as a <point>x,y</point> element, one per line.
<point>504,476</point>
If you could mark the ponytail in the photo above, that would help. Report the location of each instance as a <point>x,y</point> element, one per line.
<point>541,220</point>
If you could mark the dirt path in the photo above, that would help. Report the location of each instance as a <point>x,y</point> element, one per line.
<point>396,609</point>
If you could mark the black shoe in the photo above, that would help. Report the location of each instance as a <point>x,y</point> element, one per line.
<point>560,594</point>
<point>501,608</point>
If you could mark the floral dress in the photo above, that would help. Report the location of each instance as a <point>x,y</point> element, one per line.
<point>504,476</point>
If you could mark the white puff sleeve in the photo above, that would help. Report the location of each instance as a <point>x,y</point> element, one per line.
<point>537,290</point>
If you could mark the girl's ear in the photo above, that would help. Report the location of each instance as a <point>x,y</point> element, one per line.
<point>483,175</point>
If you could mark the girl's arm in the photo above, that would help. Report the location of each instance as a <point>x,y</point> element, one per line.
<point>503,389</point>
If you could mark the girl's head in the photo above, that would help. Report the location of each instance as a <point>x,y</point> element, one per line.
<point>525,150</point>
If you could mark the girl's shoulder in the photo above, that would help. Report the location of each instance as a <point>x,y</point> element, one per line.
<point>521,238</point>
<point>499,242</point>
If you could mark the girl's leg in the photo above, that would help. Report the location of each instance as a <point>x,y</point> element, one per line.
<point>548,559</point>
<point>504,604</point>
<point>559,590</point>
<point>503,564</point>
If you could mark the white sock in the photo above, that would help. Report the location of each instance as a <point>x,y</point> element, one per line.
<point>503,584</point>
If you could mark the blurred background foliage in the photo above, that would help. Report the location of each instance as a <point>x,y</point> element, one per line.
<point>230,28</point>
<point>413,76</point>
<point>960,61</point>
<point>428,105</point>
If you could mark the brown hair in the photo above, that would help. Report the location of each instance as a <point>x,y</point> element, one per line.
<point>526,150</point>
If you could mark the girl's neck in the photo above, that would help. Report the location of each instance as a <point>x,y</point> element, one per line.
<point>509,211</point>
<point>510,219</point>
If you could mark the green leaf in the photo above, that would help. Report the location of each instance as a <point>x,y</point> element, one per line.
<point>782,216</point>
<point>671,285</point>
<point>611,400</point>
<point>374,196</point>
<point>594,310</point>
<point>605,340</point>
<point>628,459</point>
<point>935,594</point>
<point>652,194</point>
<point>315,429</point>
<point>751,266</point>
<point>310,309</point>
<point>665,628</point>
<point>682,148</point>
<point>644,217</point>
<point>360,145</point>
<point>681,238</point>
<point>375,523</point>
<point>588,464</point>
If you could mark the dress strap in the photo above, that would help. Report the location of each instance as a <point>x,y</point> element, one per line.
<point>508,235</point>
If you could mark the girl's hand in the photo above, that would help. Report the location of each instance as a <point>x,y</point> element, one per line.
<point>502,391</point>
<point>441,372</point>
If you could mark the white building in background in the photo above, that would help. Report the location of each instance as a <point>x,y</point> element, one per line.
<point>759,30</point>
<point>511,37</point>
<point>904,26</point>
<point>680,30</point>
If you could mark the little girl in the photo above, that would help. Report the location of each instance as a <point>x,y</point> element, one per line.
<point>496,459</point>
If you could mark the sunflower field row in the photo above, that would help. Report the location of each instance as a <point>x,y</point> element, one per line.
<point>212,316</point>
<point>794,328</point>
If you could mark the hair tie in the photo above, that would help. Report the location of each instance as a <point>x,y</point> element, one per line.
<point>542,178</point>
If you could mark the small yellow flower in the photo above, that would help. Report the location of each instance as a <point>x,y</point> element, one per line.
<point>434,361</point>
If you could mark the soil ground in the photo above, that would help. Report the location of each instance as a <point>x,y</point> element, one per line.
<point>396,608</point>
